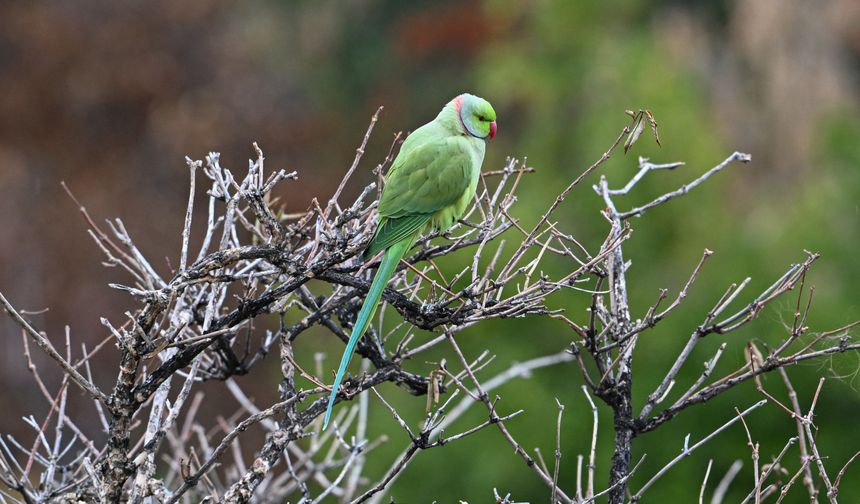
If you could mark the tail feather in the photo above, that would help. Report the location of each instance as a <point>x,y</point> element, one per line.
<point>386,269</point>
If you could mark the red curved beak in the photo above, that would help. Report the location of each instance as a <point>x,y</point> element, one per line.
<point>493,129</point>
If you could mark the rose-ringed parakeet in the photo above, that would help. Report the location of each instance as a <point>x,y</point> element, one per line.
<point>430,185</point>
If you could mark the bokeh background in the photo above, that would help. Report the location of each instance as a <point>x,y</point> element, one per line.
<point>111,96</point>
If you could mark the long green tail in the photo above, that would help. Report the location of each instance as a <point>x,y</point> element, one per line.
<point>389,264</point>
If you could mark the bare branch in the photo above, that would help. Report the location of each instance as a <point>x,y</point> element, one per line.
<point>210,320</point>
<point>48,348</point>
<point>687,450</point>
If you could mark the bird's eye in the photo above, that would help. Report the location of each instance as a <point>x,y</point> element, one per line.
<point>481,118</point>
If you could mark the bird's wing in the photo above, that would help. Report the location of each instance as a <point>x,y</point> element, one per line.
<point>423,180</point>
<point>392,230</point>
<point>427,178</point>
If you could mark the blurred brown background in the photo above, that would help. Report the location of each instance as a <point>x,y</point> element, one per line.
<point>110,97</point>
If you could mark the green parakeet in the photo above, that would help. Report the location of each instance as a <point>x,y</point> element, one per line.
<point>430,185</point>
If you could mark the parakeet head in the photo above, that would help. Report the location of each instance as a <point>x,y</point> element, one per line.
<point>476,115</point>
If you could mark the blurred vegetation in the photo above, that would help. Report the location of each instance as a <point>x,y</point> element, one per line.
<point>111,98</point>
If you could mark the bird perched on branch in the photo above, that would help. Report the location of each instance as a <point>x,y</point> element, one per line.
<point>429,187</point>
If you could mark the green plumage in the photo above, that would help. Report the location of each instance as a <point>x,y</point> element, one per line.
<point>429,187</point>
